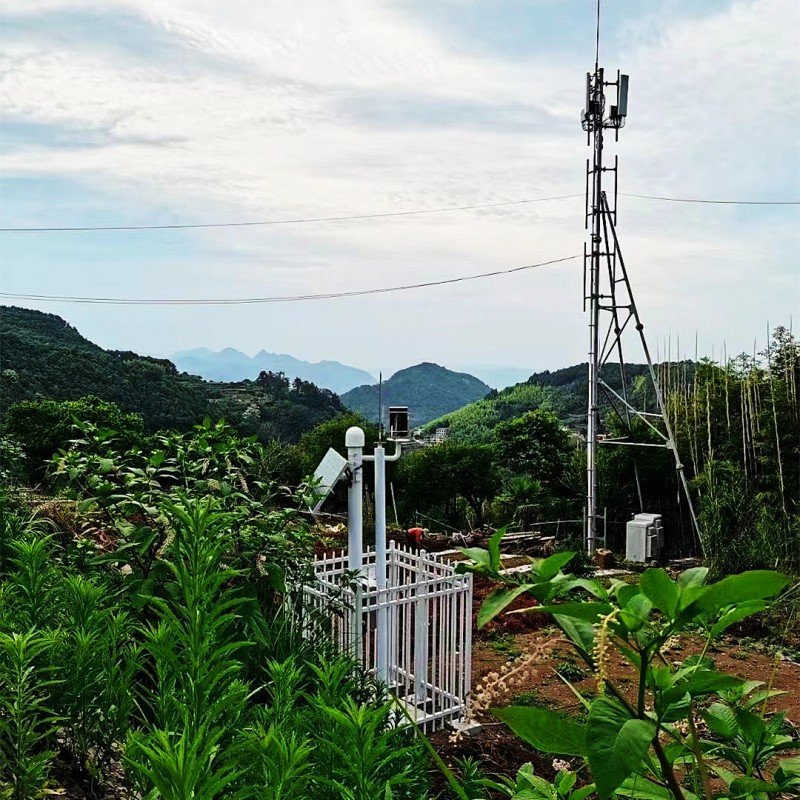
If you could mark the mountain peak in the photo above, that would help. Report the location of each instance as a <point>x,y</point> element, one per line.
<point>429,390</point>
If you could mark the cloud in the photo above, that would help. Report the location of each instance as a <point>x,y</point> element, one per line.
<point>182,110</point>
<point>409,110</point>
<point>123,34</point>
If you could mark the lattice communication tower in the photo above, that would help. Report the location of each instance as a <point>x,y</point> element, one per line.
<point>609,300</point>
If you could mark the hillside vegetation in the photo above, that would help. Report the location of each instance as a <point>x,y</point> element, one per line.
<point>561,391</point>
<point>428,390</point>
<point>43,357</point>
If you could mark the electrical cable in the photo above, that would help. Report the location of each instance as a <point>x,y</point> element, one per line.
<point>296,221</point>
<point>713,202</point>
<point>278,298</point>
<point>380,215</point>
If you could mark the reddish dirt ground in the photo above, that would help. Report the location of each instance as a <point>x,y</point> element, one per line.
<point>729,655</point>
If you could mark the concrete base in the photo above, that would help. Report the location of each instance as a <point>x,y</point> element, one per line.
<point>466,728</point>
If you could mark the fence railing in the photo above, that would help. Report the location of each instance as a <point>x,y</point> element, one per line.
<point>414,634</point>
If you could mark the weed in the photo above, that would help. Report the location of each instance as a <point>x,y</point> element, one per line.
<point>191,749</point>
<point>472,778</point>
<point>505,644</point>
<point>532,698</point>
<point>739,655</point>
<point>571,672</point>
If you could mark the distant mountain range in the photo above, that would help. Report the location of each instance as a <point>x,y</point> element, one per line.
<point>233,365</point>
<point>427,389</point>
<point>42,357</point>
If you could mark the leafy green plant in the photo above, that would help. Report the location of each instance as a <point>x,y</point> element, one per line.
<point>12,461</point>
<point>635,741</point>
<point>200,697</point>
<point>529,786</point>
<point>532,698</point>
<point>13,527</point>
<point>749,740</point>
<point>98,661</point>
<point>472,778</point>
<point>285,767</point>
<point>570,671</point>
<point>27,722</point>
<point>32,578</point>
<point>366,757</point>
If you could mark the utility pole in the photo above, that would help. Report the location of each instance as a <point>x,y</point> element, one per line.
<point>607,291</point>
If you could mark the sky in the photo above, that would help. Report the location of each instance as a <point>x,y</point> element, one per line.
<point>137,112</point>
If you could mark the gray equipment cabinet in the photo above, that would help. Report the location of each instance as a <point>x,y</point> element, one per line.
<point>644,538</point>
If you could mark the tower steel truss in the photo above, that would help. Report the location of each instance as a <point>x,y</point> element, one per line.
<point>608,297</point>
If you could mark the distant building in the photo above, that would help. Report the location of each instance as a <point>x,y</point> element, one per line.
<point>439,436</point>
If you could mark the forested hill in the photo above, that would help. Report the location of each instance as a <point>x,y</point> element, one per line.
<point>428,390</point>
<point>563,391</point>
<point>44,357</point>
<point>572,386</point>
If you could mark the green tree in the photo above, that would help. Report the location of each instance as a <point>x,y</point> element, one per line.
<point>315,443</point>
<point>434,479</point>
<point>535,444</point>
<point>523,500</point>
<point>42,427</point>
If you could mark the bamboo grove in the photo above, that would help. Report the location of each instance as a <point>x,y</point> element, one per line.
<point>738,429</point>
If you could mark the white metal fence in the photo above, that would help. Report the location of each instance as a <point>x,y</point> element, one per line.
<point>415,634</point>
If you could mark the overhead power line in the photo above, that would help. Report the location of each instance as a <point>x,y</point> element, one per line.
<point>379,215</point>
<point>276,299</point>
<point>713,202</point>
<point>294,221</point>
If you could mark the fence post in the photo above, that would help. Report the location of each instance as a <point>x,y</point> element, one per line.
<point>421,630</point>
<point>382,655</point>
<point>354,442</point>
<point>393,627</point>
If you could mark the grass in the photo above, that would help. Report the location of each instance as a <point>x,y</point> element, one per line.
<point>571,672</point>
<point>532,698</point>
<point>505,644</point>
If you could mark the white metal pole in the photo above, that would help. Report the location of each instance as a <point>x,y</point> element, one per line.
<point>382,655</point>
<point>393,630</point>
<point>421,631</point>
<point>354,442</point>
<point>380,516</point>
<point>383,632</point>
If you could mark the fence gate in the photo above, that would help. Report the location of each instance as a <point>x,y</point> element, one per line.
<point>424,616</point>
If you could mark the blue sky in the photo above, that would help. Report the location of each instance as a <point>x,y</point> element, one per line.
<point>165,111</point>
